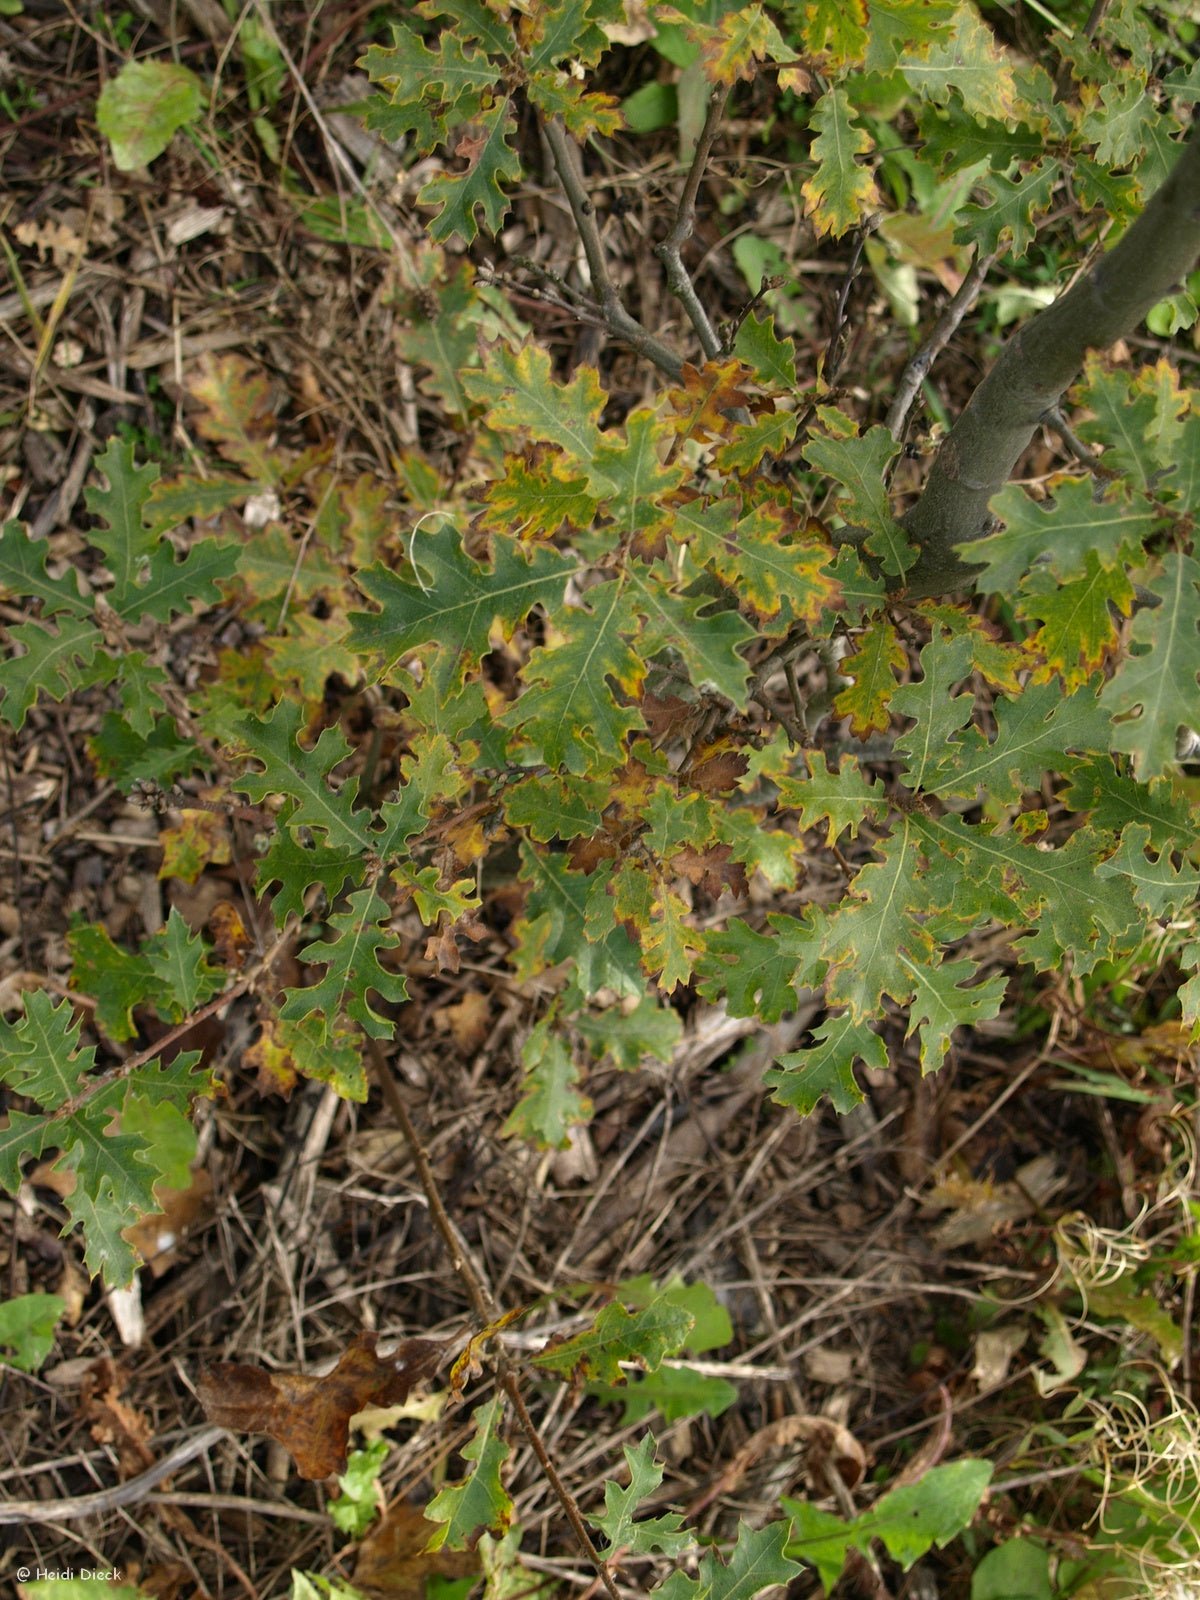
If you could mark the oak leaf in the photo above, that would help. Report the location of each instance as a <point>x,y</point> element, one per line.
<point>707,394</point>
<point>711,869</point>
<point>308,1415</point>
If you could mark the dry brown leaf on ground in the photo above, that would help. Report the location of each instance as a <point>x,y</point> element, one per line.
<point>308,1415</point>
<point>393,1561</point>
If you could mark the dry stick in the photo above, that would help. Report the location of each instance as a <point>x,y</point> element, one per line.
<point>669,252</point>
<point>121,1494</point>
<point>835,350</point>
<point>917,369</point>
<point>483,1304</point>
<point>617,319</point>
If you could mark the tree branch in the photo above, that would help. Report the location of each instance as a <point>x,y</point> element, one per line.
<point>1039,363</point>
<point>670,251</point>
<point>944,329</point>
<point>617,320</point>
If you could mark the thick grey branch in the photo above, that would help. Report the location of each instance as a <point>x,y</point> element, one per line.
<point>1039,363</point>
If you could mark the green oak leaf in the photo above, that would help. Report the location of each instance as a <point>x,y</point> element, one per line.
<point>756,1563</point>
<point>491,162</point>
<point>1154,692</point>
<point>1081,520</point>
<point>480,1500</point>
<point>569,715</point>
<point>1009,221</point>
<point>757,974</point>
<point>550,1104</point>
<point>351,957</point>
<point>645,1336</point>
<point>803,1077</point>
<point>842,800</point>
<point>519,393</point>
<point>140,109</point>
<point>27,1328</point>
<point>623,1530</point>
<point>303,776</point>
<point>452,603</point>
<point>760,347</point>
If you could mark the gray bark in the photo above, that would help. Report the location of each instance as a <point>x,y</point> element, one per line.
<point>1038,364</point>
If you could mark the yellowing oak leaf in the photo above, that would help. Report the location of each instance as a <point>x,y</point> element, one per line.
<point>839,191</point>
<point>732,48</point>
<point>835,29</point>
<point>707,394</point>
<point>872,669</point>
<point>518,392</point>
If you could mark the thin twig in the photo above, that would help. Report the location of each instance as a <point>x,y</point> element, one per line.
<point>17,876</point>
<point>131,1064</point>
<point>1055,419</point>
<point>669,252</point>
<point>121,1494</point>
<point>484,1304</point>
<point>944,329</point>
<point>480,1295</point>
<point>835,350</point>
<point>617,319</point>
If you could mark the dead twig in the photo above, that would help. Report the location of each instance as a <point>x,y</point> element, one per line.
<point>944,329</point>
<point>121,1494</point>
<point>483,1304</point>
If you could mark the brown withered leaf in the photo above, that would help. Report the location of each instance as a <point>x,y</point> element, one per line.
<point>467,1021</point>
<point>310,1416</point>
<point>393,1561</point>
<point>442,949</point>
<point>231,943</point>
<point>586,854</point>
<point>666,715</point>
<point>112,1419</point>
<point>711,869</point>
<point>718,769</point>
